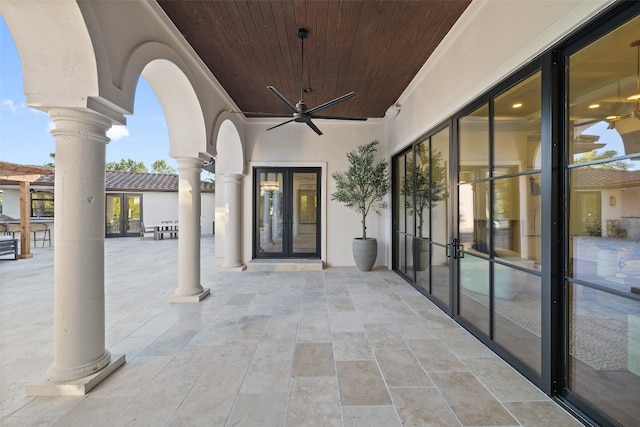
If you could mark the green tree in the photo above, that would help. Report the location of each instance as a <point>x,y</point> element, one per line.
<point>592,156</point>
<point>364,184</point>
<point>52,163</point>
<point>127,165</point>
<point>161,166</point>
<point>430,185</point>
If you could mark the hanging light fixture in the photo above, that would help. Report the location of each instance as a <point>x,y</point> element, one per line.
<point>636,96</point>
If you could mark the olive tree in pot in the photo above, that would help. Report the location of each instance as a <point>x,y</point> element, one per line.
<point>362,187</point>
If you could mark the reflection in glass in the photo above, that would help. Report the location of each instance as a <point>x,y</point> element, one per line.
<point>422,260</point>
<point>516,125</point>
<point>516,224</point>
<point>604,224</point>
<point>603,193</point>
<point>604,352</point>
<point>473,145</point>
<point>517,317</point>
<point>270,212</point>
<point>604,120</point>
<point>440,273</point>
<point>474,216</point>
<point>133,214</point>
<point>474,292</point>
<point>113,214</point>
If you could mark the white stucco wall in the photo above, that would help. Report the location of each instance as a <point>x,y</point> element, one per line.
<point>163,206</point>
<point>296,144</point>
<point>11,202</point>
<point>491,40</point>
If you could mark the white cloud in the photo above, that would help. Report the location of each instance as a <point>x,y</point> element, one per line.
<point>8,103</point>
<point>117,132</point>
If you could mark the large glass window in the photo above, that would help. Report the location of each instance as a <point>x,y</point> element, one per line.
<point>500,219</point>
<point>42,204</point>
<point>603,268</point>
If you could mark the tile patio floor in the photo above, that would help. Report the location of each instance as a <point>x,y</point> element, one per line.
<point>327,348</point>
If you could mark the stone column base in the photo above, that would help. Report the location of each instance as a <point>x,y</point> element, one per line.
<point>78,387</point>
<point>241,267</point>
<point>190,298</point>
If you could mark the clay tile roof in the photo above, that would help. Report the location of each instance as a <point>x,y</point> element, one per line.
<point>131,181</point>
<point>604,178</point>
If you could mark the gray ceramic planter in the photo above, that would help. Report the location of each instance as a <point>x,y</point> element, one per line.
<point>365,252</point>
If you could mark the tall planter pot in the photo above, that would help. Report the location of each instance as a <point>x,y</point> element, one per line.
<point>365,252</point>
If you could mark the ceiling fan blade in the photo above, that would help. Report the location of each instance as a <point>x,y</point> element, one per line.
<point>282,98</point>
<point>278,125</point>
<point>312,126</point>
<point>332,102</point>
<point>316,116</point>
<point>257,113</point>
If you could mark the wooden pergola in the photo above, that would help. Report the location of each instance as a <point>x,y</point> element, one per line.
<point>25,175</point>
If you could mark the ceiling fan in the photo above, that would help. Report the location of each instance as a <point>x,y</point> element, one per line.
<point>302,114</point>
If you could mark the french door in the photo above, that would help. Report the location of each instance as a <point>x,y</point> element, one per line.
<point>123,213</point>
<point>286,213</point>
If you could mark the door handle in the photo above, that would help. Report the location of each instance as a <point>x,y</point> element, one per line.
<point>454,249</point>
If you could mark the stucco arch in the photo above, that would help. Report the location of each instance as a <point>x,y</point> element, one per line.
<point>229,146</point>
<point>181,106</point>
<point>58,60</point>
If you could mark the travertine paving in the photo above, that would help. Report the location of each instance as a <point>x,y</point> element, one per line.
<point>335,347</point>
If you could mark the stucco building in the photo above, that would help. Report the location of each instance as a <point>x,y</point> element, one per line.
<point>507,105</point>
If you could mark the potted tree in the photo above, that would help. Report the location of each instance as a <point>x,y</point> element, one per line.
<point>362,187</point>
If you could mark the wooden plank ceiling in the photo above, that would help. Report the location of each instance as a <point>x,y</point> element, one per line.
<point>374,48</point>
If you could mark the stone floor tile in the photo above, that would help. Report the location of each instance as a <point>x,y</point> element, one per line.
<point>401,369</point>
<point>361,383</point>
<point>462,343</point>
<point>502,380</point>
<point>132,377</point>
<point>419,407</point>
<point>370,416</point>
<point>351,346</point>
<point>313,360</point>
<point>95,411</point>
<point>155,405</point>
<point>313,401</point>
<point>541,414</point>
<point>268,373</point>
<point>198,420</point>
<point>384,335</point>
<point>346,322</point>
<point>264,410</point>
<point>435,356</point>
<point>472,404</point>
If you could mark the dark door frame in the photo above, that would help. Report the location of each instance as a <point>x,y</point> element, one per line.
<point>287,211</point>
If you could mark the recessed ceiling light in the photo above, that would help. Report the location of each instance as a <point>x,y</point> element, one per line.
<point>517,105</point>
<point>613,117</point>
<point>592,106</point>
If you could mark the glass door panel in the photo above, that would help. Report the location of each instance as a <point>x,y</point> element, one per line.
<point>269,213</point>
<point>440,208</point>
<point>132,218</point>
<point>287,213</point>
<point>305,213</point>
<point>114,215</point>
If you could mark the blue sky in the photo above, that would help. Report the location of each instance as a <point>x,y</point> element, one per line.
<point>25,132</point>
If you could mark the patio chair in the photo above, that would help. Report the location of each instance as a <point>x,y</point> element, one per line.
<point>146,230</point>
<point>37,228</point>
<point>12,229</point>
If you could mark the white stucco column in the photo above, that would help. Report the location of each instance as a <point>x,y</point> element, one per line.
<point>232,224</point>
<point>189,287</point>
<point>78,299</point>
